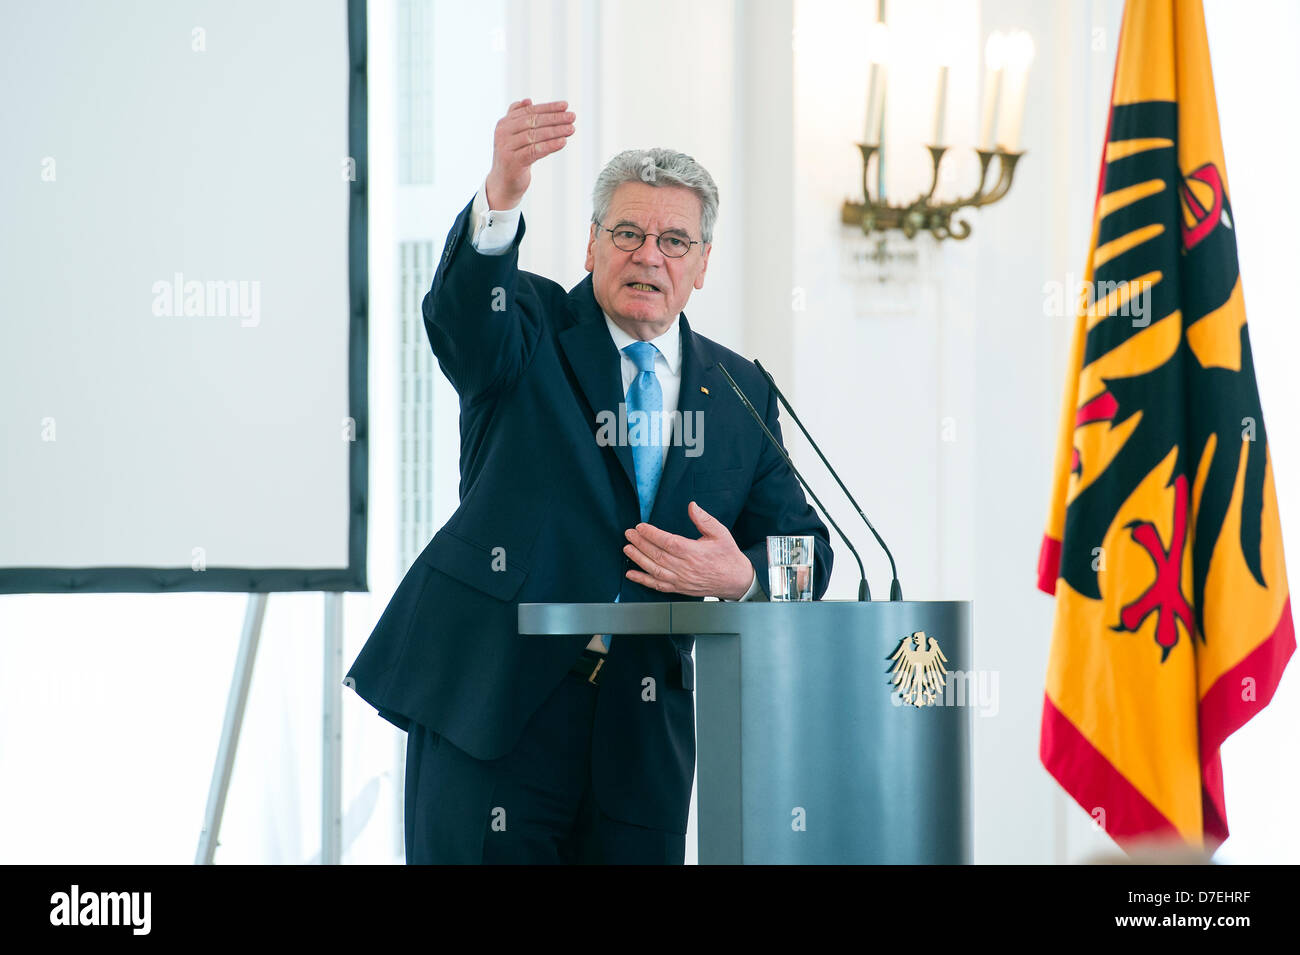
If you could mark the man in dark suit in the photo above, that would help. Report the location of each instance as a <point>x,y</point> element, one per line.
<point>581,748</point>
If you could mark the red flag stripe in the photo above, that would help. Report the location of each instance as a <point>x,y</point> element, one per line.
<point>1094,782</point>
<point>1049,564</point>
<point>1223,711</point>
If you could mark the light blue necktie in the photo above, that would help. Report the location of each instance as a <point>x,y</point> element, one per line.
<point>644,394</point>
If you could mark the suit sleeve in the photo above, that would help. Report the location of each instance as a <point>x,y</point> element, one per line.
<point>480,331</point>
<point>776,505</point>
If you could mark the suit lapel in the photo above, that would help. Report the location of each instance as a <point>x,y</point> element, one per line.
<point>595,362</point>
<point>694,403</point>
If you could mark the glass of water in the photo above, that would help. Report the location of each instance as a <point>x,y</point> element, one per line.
<point>790,567</point>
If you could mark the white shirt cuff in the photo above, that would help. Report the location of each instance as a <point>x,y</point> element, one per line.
<point>493,230</point>
<point>755,591</point>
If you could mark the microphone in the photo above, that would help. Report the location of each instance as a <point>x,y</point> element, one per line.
<point>864,591</point>
<point>895,589</point>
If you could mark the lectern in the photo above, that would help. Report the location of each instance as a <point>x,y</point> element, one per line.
<point>805,749</point>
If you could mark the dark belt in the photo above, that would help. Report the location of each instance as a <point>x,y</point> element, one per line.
<point>588,666</point>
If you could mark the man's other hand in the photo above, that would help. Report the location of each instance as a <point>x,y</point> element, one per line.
<point>712,566</point>
<point>525,134</point>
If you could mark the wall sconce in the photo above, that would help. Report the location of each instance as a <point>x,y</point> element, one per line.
<point>1006,83</point>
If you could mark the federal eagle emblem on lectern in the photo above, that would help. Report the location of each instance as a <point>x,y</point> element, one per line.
<point>919,673</point>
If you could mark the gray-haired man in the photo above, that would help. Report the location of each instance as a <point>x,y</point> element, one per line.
<point>602,459</point>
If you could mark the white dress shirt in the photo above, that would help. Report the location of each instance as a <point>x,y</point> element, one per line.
<point>494,232</point>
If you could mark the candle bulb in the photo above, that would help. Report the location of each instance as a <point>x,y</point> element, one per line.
<point>875,104</point>
<point>1013,108</point>
<point>993,56</point>
<point>940,107</point>
<point>880,105</point>
<point>1019,50</point>
<point>878,54</point>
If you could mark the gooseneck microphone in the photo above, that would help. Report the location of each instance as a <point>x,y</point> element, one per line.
<point>864,591</point>
<point>895,589</point>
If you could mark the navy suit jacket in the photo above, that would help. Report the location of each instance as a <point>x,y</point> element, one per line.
<point>543,508</point>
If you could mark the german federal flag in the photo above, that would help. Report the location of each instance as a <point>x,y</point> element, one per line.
<point>1163,549</point>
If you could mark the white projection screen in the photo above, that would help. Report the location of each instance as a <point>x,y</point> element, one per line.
<point>183,286</point>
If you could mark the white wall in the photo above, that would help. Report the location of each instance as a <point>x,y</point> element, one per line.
<point>1261,762</point>
<point>1039,234</point>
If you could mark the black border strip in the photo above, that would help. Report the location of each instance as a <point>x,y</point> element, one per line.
<point>31,580</point>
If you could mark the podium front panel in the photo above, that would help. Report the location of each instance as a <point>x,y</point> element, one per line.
<point>805,752</point>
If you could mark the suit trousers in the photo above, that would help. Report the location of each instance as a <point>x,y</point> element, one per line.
<point>532,806</point>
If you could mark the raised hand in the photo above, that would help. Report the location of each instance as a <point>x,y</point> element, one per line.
<point>525,134</point>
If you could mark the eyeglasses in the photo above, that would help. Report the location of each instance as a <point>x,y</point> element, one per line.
<point>629,239</point>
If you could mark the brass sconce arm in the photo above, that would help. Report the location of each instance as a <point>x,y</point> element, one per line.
<point>923,214</point>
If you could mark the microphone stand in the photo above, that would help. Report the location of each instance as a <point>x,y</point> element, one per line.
<point>864,591</point>
<point>895,589</point>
